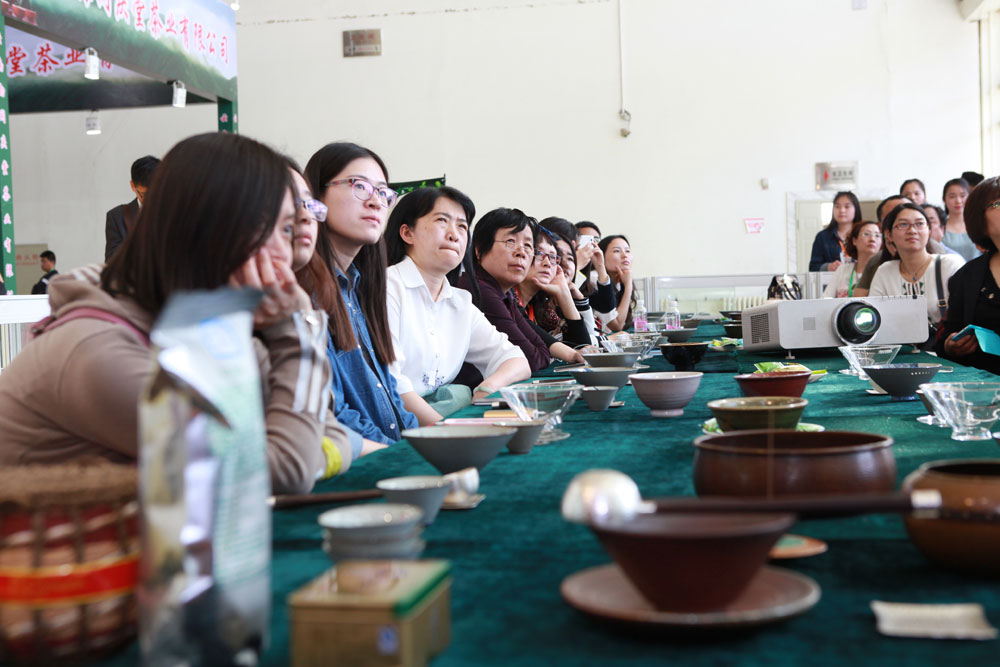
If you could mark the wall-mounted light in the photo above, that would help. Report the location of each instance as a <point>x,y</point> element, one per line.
<point>92,65</point>
<point>626,122</point>
<point>93,123</point>
<point>180,94</point>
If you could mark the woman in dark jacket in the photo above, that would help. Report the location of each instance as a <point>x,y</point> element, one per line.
<point>975,295</point>
<point>829,245</point>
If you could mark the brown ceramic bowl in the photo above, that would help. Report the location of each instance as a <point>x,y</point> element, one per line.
<point>758,463</point>
<point>734,330</point>
<point>775,383</point>
<point>967,535</point>
<point>755,412</point>
<point>691,322</point>
<point>732,314</point>
<point>692,563</point>
<point>683,356</point>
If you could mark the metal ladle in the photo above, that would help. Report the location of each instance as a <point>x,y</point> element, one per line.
<point>609,496</point>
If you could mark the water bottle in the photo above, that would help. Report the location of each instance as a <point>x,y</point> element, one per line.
<point>672,316</point>
<point>639,322</point>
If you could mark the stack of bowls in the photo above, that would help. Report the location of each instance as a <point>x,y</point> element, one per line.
<point>375,531</point>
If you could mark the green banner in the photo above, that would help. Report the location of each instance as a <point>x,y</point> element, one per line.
<point>46,76</point>
<point>402,187</point>
<point>193,41</point>
<point>7,262</point>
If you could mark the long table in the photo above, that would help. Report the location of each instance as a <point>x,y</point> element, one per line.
<point>510,554</point>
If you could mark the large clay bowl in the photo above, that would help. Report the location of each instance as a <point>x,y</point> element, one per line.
<point>453,447</point>
<point>734,330</point>
<point>757,412</point>
<point>967,536</point>
<point>605,359</point>
<point>758,463</point>
<point>901,381</point>
<point>666,393</point>
<point>774,383</point>
<point>678,335</point>
<point>691,322</point>
<point>692,563</point>
<point>683,356</point>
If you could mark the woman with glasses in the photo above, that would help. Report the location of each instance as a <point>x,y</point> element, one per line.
<point>546,295</point>
<point>916,271</point>
<point>352,182</point>
<point>830,245</point>
<point>435,327</point>
<point>618,260</point>
<point>974,292</point>
<point>503,245</point>
<point>234,228</point>
<point>956,191</point>
<point>864,243</point>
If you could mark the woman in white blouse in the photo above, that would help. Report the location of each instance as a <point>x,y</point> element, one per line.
<point>914,272</point>
<point>434,326</point>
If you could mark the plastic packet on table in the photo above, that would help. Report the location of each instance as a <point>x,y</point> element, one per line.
<point>205,595</point>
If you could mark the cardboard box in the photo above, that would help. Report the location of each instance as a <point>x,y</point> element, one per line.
<point>404,625</point>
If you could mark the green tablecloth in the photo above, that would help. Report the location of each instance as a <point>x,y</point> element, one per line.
<point>510,554</point>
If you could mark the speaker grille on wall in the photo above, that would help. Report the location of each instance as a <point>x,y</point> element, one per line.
<point>759,330</point>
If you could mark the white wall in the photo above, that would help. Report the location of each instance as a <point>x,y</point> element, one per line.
<point>517,102</point>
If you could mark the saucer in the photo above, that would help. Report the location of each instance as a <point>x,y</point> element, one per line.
<point>797,546</point>
<point>876,393</point>
<point>711,427</point>
<point>470,503</point>
<point>617,404</point>
<point>773,595</point>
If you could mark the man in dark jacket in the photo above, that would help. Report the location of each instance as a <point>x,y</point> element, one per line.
<point>48,262</point>
<point>121,219</point>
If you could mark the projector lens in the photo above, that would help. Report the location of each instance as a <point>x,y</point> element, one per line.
<point>857,323</point>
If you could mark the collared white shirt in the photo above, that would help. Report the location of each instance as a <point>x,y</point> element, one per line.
<point>431,338</point>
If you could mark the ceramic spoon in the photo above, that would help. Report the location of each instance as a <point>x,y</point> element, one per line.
<point>601,496</point>
<point>463,484</point>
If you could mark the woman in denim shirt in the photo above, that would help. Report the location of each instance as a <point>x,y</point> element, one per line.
<point>352,182</point>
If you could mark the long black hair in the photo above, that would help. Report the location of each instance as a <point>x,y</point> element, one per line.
<point>857,208</point>
<point>324,166</point>
<point>212,203</point>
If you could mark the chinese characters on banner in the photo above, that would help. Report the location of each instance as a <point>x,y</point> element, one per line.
<point>7,263</point>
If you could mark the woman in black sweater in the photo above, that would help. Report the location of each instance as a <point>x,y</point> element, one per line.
<point>974,290</point>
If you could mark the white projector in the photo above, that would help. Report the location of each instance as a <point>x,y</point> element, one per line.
<point>809,323</point>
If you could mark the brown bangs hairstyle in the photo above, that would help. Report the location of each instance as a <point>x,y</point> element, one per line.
<point>212,203</point>
<point>976,206</point>
<point>326,165</point>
